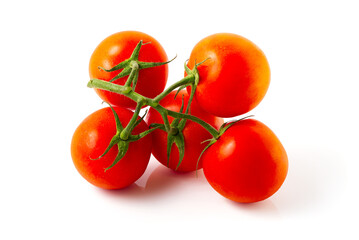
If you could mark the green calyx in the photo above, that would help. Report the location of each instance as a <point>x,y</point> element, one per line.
<point>122,139</point>
<point>227,125</point>
<point>178,140</point>
<point>221,131</point>
<point>194,71</point>
<point>132,65</point>
<point>175,136</point>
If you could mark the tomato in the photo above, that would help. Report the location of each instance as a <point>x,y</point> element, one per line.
<point>92,137</point>
<point>193,133</point>
<point>247,163</point>
<point>234,78</point>
<point>117,48</point>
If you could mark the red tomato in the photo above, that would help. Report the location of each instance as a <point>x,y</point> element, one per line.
<point>117,48</point>
<point>234,79</point>
<point>92,137</point>
<point>247,164</point>
<point>193,133</point>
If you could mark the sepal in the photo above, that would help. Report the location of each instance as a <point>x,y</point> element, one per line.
<point>122,149</point>
<point>179,141</point>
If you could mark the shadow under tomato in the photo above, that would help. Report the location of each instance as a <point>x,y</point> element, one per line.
<point>160,183</point>
<point>164,180</point>
<point>164,184</point>
<point>262,208</point>
<point>132,191</point>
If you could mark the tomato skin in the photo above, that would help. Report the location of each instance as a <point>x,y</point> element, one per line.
<point>234,79</point>
<point>247,164</point>
<point>117,48</point>
<point>92,137</point>
<point>193,134</point>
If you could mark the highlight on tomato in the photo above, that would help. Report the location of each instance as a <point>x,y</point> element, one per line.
<point>117,48</point>
<point>234,77</point>
<point>194,134</point>
<point>247,163</point>
<point>92,138</point>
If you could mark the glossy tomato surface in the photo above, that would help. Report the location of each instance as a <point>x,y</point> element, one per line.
<point>193,133</point>
<point>247,164</point>
<point>92,137</point>
<point>234,78</point>
<point>117,48</point>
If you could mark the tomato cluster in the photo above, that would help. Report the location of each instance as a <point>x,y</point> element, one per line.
<point>226,76</point>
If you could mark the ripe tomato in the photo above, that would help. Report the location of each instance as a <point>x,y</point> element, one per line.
<point>234,79</point>
<point>193,133</point>
<point>117,48</point>
<point>247,163</point>
<point>92,137</point>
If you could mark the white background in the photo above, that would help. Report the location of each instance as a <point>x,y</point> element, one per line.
<point>312,106</point>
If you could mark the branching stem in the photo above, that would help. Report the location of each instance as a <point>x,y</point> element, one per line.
<point>123,137</point>
<point>104,85</point>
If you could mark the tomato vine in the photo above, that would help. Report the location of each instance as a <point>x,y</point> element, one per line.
<point>131,68</point>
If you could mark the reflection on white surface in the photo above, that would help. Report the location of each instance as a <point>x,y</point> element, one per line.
<point>162,187</point>
<point>312,181</point>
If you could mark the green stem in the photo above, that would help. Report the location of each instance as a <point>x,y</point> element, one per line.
<point>186,80</point>
<point>108,86</point>
<point>104,85</point>
<point>133,75</point>
<point>164,115</point>
<point>195,119</point>
<point>190,99</point>
<point>183,121</point>
<point>126,132</point>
